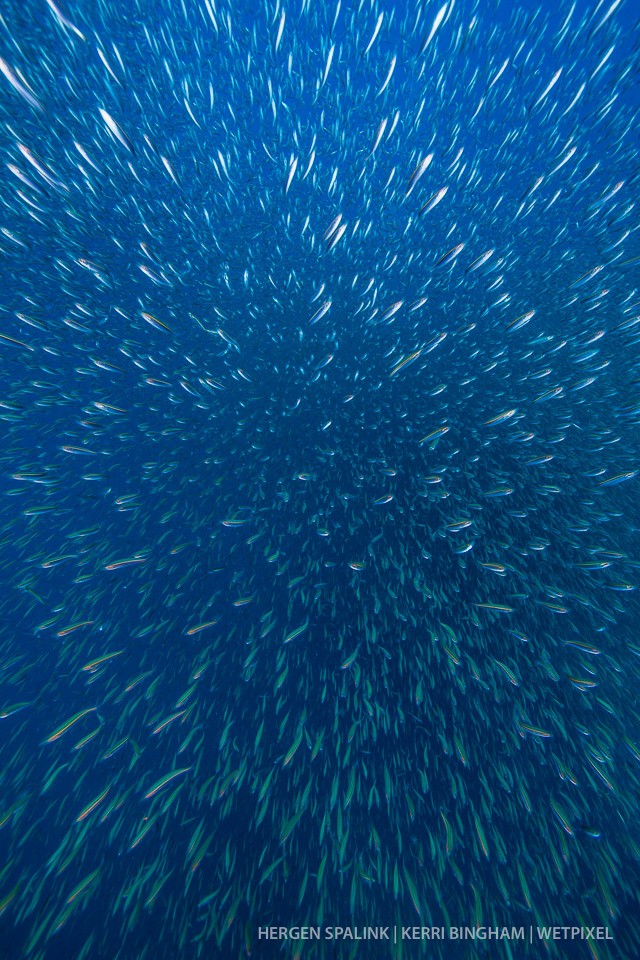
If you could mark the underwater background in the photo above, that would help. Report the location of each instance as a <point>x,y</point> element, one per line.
<point>319,493</point>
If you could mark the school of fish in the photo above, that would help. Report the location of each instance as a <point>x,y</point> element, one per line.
<point>320,364</point>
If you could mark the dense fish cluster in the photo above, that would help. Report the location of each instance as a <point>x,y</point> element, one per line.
<point>319,340</point>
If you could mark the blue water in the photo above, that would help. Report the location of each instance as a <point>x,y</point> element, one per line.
<point>318,485</point>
